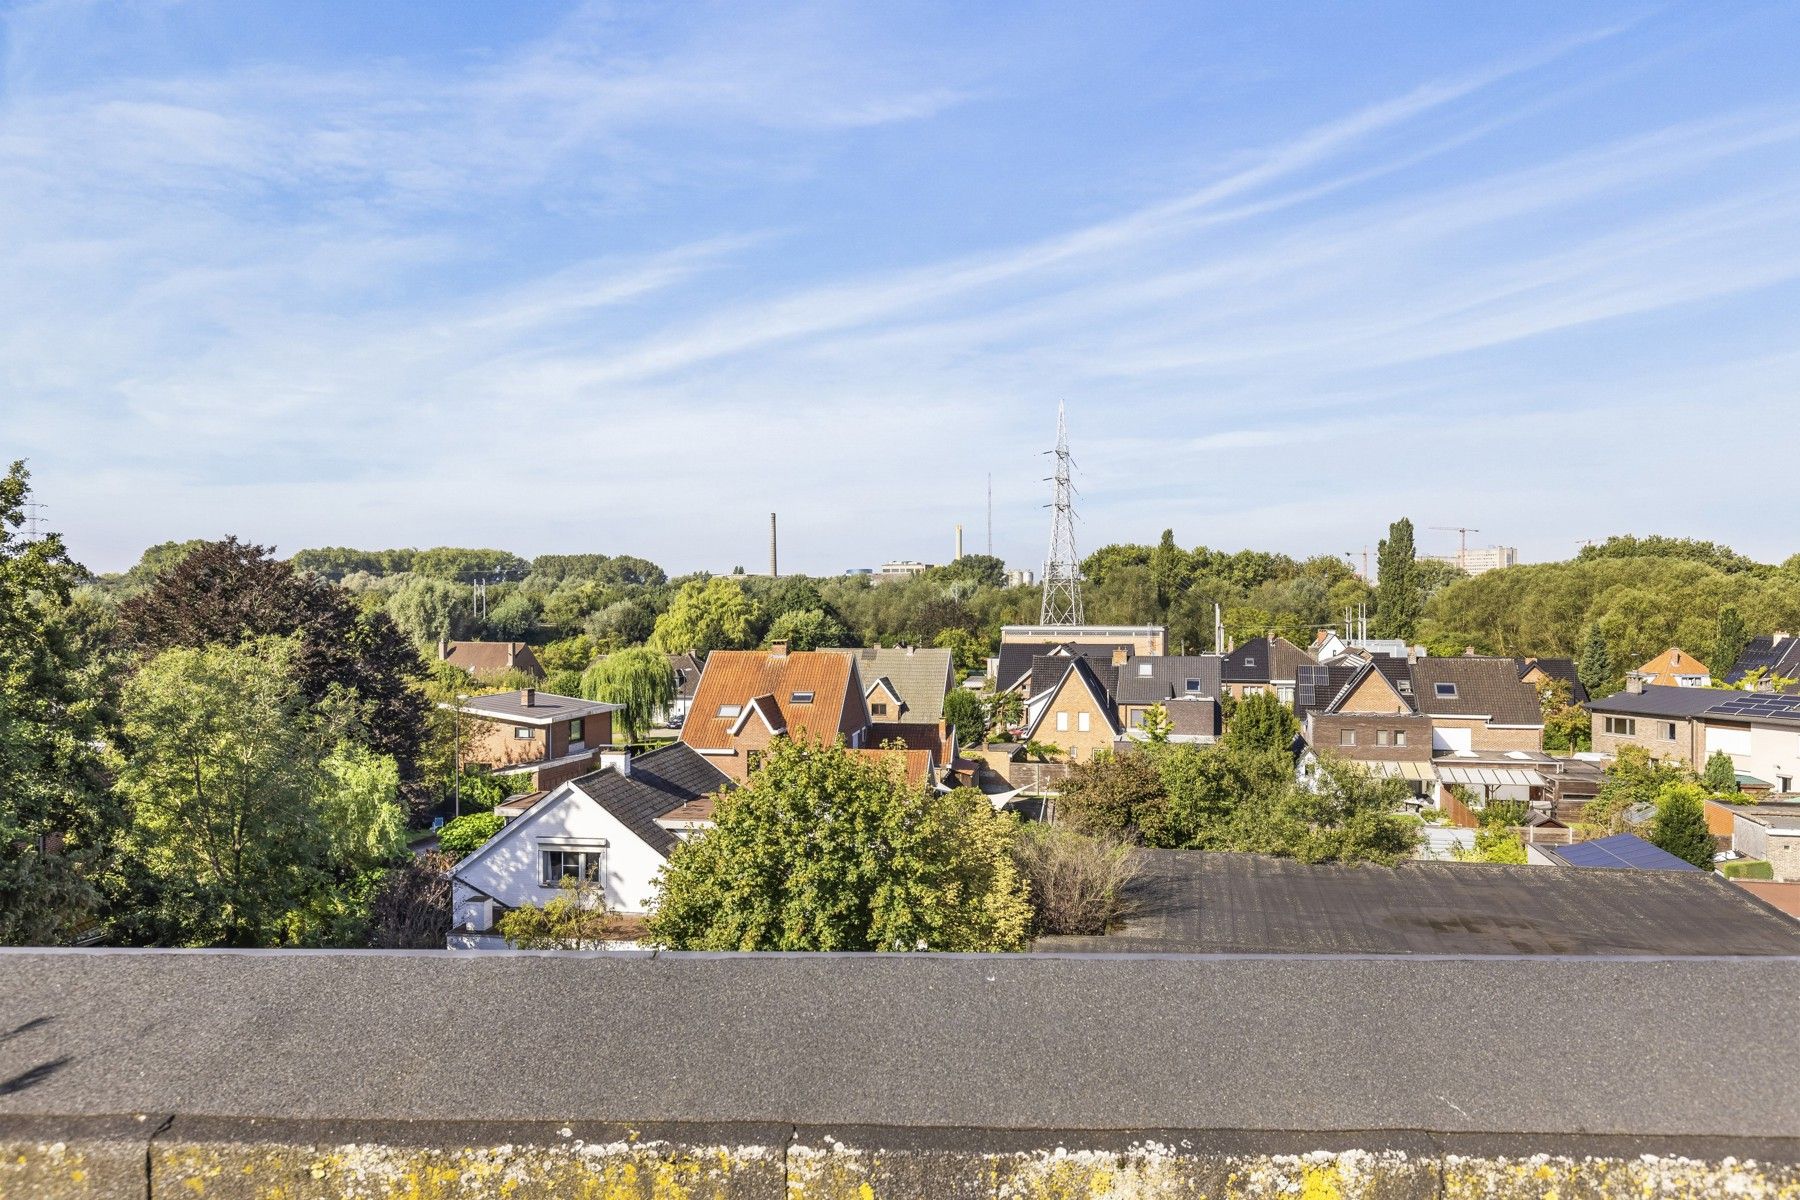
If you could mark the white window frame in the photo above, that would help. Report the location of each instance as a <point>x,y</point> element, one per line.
<point>1668,728</point>
<point>590,863</point>
<point>524,733</point>
<point>1062,722</point>
<point>1619,726</point>
<point>1083,722</point>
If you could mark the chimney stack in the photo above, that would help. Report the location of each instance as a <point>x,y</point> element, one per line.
<point>773,573</point>
<point>959,552</point>
<point>443,647</point>
<point>1120,654</point>
<point>1634,684</point>
<point>527,697</point>
<point>778,649</point>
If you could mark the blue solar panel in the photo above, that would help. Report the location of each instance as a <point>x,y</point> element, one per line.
<point>1622,850</point>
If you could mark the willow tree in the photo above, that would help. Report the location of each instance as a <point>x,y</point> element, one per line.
<point>640,680</point>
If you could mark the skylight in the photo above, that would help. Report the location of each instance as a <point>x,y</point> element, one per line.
<point>730,710</point>
<point>1143,669</point>
<point>1445,691</point>
<point>802,697</point>
<point>1193,685</point>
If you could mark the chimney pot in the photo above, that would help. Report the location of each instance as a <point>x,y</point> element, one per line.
<point>1120,654</point>
<point>1634,684</point>
<point>527,697</point>
<point>778,649</point>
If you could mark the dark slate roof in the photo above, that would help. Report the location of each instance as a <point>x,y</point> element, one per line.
<point>1157,677</point>
<point>1193,718</point>
<point>1765,653</point>
<point>1488,687</point>
<point>1557,668</point>
<point>1396,671</point>
<point>1621,850</point>
<point>1015,658</point>
<point>1261,659</point>
<point>660,782</point>
<point>687,668</point>
<point>1190,901</point>
<point>1047,671</point>
<point>1657,700</point>
<point>1316,687</point>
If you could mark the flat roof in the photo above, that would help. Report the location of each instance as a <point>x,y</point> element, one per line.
<point>1194,902</point>
<point>546,707</point>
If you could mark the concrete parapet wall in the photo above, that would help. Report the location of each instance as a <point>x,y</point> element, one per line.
<point>148,1157</point>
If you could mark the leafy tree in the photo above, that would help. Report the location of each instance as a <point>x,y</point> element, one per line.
<point>966,714</point>
<point>57,819</point>
<point>411,909</point>
<point>1347,815</point>
<point>1262,722</point>
<point>1170,567</point>
<point>968,652</point>
<point>1567,725</point>
<point>640,679</point>
<point>706,616</point>
<point>468,833</point>
<point>1721,774</point>
<point>570,654</point>
<point>1598,675</point>
<point>462,565</point>
<point>563,682</point>
<point>807,629</point>
<point>1720,558</point>
<point>1633,777</point>
<point>1397,589</point>
<point>824,849</point>
<point>1006,710</point>
<point>974,570</point>
<point>1680,824</point>
<point>1729,642</point>
<point>152,563</point>
<point>513,618</point>
<point>576,919</point>
<point>227,592</point>
<point>623,623</point>
<point>1157,726</point>
<point>1114,796</point>
<point>426,609</point>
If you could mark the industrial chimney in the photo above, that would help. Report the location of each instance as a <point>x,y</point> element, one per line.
<point>773,573</point>
<point>958,543</point>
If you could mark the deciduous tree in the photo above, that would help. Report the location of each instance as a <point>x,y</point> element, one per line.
<point>640,679</point>
<point>708,615</point>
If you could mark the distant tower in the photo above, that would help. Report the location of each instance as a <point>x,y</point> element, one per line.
<point>1062,579</point>
<point>772,572</point>
<point>990,541</point>
<point>958,542</point>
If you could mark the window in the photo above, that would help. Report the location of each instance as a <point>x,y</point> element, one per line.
<point>1784,784</point>
<point>1193,685</point>
<point>524,733</point>
<point>1143,670</point>
<point>730,710</point>
<point>576,728</point>
<point>583,866</point>
<point>878,709</point>
<point>1444,691</point>
<point>1253,690</point>
<point>1346,737</point>
<point>1621,726</point>
<point>1062,722</point>
<point>803,697</point>
<point>1399,737</point>
<point>1081,722</point>
<point>1381,737</point>
<point>1250,660</point>
<point>1668,730</point>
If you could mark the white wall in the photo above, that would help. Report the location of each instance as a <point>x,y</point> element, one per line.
<point>508,871</point>
<point>1768,752</point>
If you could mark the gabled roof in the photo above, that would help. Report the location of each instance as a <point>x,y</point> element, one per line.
<point>1016,658</point>
<point>764,707</point>
<point>491,658</point>
<point>1262,660</point>
<point>1398,681</point>
<point>921,675</point>
<point>1485,687</point>
<point>1769,656</point>
<point>1562,669</point>
<point>735,678</point>
<point>1317,688</point>
<point>1671,664</point>
<point>687,668</point>
<point>1079,672</point>
<point>884,689</point>
<point>1158,677</point>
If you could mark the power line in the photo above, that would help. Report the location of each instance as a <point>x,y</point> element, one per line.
<point>1062,578</point>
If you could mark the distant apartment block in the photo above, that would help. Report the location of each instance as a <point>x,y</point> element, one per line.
<point>900,570</point>
<point>1490,558</point>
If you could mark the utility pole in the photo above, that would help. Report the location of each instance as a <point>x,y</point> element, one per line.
<point>1062,569</point>
<point>990,527</point>
<point>772,572</point>
<point>34,520</point>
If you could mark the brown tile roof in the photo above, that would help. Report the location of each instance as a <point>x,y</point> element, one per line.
<point>491,658</point>
<point>738,677</point>
<point>933,738</point>
<point>1488,687</point>
<point>917,763</point>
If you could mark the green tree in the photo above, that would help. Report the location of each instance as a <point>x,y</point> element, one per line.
<point>1567,725</point>
<point>968,651</point>
<point>1262,722</point>
<point>57,818</point>
<point>1397,594</point>
<point>1345,815</point>
<point>1157,726</point>
<point>1680,824</point>
<point>640,679</point>
<point>966,714</point>
<point>1721,774</point>
<point>1598,675</point>
<point>1006,710</point>
<point>221,777</point>
<point>575,919</point>
<point>1115,796</point>
<point>708,615</point>
<point>468,833</point>
<point>427,609</point>
<point>807,629</point>
<point>1169,570</point>
<point>1632,778</point>
<point>1729,641</point>
<point>824,849</point>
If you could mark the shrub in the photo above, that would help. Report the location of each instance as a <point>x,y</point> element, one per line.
<point>467,834</point>
<point>411,910</point>
<point>1076,882</point>
<point>1747,868</point>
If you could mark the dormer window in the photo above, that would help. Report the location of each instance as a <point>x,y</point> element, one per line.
<point>1444,691</point>
<point>730,710</point>
<point>1250,660</point>
<point>1143,670</point>
<point>802,697</point>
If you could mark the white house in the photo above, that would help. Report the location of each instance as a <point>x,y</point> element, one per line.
<point>601,829</point>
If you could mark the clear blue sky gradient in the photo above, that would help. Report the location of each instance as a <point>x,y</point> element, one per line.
<point>625,279</point>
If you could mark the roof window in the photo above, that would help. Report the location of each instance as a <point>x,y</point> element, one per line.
<point>1143,670</point>
<point>802,697</point>
<point>730,710</point>
<point>1193,685</point>
<point>1249,660</point>
<point>1444,691</point>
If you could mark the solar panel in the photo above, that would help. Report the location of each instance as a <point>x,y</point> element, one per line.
<point>1622,850</point>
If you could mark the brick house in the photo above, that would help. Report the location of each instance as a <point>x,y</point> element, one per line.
<point>1076,714</point>
<point>1674,667</point>
<point>748,698</point>
<point>1264,664</point>
<point>550,738</point>
<point>1662,719</point>
<point>488,660</point>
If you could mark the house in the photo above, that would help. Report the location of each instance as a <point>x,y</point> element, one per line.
<point>1660,718</point>
<point>1018,663</point>
<point>1264,664</point>
<point>1188,686</point>
<point>1076,714</point>
<point>1775,657</point>
<point>904,684</point>
<point>747,698</point>
<point>548,737</point>
<point>489,660</point>
<point>687,668</point>
<point>606,829</point>
<point>1536,671</point>
<point>1760,731</point>
<point>1674,667</point>
<point>1477,705</point>
<point>1770,832</point>
<point>1625,851</point>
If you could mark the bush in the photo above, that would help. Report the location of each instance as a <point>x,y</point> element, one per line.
<point>467,834</point>
<point>411,910</point>
<point>1747,868</point>
<point>1076,883</point>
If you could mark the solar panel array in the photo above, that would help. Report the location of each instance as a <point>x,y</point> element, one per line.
<point>1758,704</point>
<point>1622,850</point>
<point>1311,686</point>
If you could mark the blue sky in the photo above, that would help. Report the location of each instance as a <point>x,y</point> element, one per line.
<point>625,279</point>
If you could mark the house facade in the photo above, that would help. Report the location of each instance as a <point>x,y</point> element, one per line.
<point>1759,731</point>
<point>1770,832</point>
<point>1076,714</point>
<point>748,698</point>
<point>1264,664</point>
<point>904,684</point>
<point>1674,667</point>
<point>548,737</point>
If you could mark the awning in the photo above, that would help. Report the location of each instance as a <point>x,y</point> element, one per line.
<point>1489,776</point>
<point>1419,772</point>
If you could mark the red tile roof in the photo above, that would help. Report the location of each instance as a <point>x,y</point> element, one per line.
<point>738,677</point>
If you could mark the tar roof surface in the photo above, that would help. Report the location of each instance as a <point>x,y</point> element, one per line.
<point>1189,901</point>
<point>1156,677</point>
<point>545,706</point>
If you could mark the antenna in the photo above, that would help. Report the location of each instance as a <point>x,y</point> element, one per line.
<point>1062,578</point>
<point>990,544</point>
<point>1462,545</point>
<point>773,574</point>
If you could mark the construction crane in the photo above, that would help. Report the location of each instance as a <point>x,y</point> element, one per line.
<point>1462,545</point>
